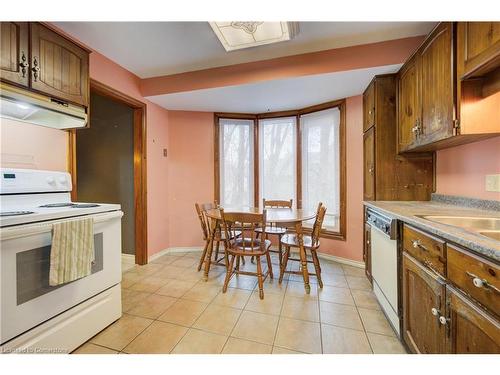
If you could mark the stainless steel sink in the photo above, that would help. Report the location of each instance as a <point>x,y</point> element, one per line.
<point>486,226</point>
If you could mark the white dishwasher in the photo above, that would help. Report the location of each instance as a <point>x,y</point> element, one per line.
<point>384,262</point>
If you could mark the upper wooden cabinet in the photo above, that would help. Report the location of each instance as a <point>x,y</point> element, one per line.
<point>432,97</point>
<point>36,57</point>
<point>478,48</point>
<point>14,52</point>
<point>387,175</point>
<point>369,108</point>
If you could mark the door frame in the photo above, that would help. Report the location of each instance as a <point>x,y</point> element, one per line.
<point>140,170</point>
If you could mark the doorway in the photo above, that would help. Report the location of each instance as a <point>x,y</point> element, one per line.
<point>107,162</point>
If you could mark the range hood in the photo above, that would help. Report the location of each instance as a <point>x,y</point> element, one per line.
<point>26,106</point>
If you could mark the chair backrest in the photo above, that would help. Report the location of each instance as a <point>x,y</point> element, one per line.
<point>246,223</point>
<point>318,223</point>
<point>276,203</point>
<point>200,210</point>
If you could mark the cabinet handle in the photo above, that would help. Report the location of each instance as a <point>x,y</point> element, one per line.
<point>23,64</point>
<point>417,244</point>
<point>35,69</point>
<point>482,283</point>
<point>443,320</point>
<point>371,169</point>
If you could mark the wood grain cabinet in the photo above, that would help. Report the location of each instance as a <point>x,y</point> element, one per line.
<point>437,106</point>
<point>14,52</point>
<point>478,48</point>
<point>423,303</point>
<point>36,57</point>
<point>387,175</point>
<point>456,313</point>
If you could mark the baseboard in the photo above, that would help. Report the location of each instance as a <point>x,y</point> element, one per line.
<point>349,262</point>
<point>172,250</point>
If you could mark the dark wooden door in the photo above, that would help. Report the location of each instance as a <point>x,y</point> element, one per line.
<point>59,68</point>
<point>423,304</point>
<point>14,52</point>
<point>369,164</point>
<point>478,45</point>
<point>436,79</point>
<point>471,329</point>
<point>367,251</point>
<point>408,105</point>
<point>369,107</point>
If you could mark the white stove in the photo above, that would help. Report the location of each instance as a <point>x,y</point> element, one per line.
<point>34,316</point>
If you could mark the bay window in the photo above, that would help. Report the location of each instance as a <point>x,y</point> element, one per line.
<point>295,155</point>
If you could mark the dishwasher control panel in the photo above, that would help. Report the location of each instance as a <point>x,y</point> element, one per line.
<point>386,224</point>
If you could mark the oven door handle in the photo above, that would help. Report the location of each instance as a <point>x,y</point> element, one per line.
<point>43,227</point>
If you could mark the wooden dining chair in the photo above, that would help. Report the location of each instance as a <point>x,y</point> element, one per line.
<point>274,229</point>
<point>207,232</point>
<point>309,244</point>
<point>246,245</point>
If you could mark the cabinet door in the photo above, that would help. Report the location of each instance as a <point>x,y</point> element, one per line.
<point>471,329</point>
<point>59,67</point>
<point>408,105</point>
<point>423,304</point>
<point>369,164</point>
<point>367,251</point>
<point>14,53</point>
<point>478,45</point>
<point>369,107</point>
<point>436,78</point>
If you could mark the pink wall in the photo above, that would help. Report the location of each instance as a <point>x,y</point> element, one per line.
<point>25,146</point>
<point>461,170</point>
<point>108,72</point>
<point>191,178</point>
<point>190,173</point>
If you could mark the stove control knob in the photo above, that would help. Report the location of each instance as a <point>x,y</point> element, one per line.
<point>63,181</point>
<point>51,181</point>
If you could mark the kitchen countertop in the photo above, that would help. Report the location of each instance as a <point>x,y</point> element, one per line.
<point>406,211</point>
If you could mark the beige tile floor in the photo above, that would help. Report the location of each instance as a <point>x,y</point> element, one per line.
<point>168,308</point>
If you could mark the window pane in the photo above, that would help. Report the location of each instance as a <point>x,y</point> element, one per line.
<point>321,163</point>
<point>236,162</point>
<point>277,158</point>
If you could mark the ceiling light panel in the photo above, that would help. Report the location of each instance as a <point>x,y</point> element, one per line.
<point>236,35</point>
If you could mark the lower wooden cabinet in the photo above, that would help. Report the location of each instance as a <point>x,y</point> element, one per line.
<point>470,329</point>
<point>367,251</point>
<point>438,318</point>
<point>423,303</point>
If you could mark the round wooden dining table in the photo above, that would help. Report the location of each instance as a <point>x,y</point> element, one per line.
<point>293,217</point>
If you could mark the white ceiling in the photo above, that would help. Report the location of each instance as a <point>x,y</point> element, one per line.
<point>151,49</point>
<point>276,95</point>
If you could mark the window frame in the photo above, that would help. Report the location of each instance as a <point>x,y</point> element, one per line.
<point>341,234</point>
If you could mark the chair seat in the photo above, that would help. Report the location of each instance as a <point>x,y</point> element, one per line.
<point>271,230</point>
<point>222,235</point>
<point>246,244</point>
<point>291,240</point>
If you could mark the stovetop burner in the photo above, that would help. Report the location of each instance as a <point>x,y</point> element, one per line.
<point>69,204</point>
<point>15,213</point>
<point>56,205</point>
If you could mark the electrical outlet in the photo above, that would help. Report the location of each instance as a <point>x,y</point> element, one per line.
<point>493,182</point>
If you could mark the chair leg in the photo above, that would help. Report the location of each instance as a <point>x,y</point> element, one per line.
<point>259,277</point>
<point>317,267</point>
<point>285,263</point>
<point>269,265</point>
<point>229,272</point>
<point>280,251</point>
<point>217,250</point>
<point>202,259</point>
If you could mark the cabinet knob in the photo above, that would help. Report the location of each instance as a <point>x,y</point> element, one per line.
<point>443,320</point>
<point>35,69</point>
<point>435,311</point>
<point>417,244</point>
<point>23,64</point>
<point>482,283</point>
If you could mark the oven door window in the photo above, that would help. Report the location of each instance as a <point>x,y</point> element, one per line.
<point>33,266</point>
